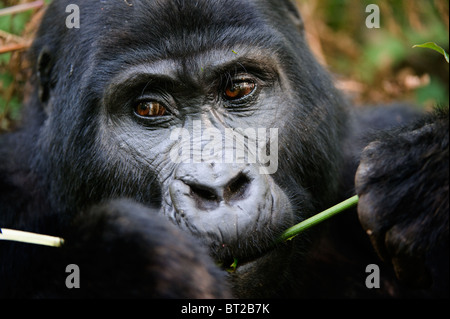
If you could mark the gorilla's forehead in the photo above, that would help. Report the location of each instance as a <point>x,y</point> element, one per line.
<point>174,28</point>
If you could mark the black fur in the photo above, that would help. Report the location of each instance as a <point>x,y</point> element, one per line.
<point>411,164</point>
<point>81,146</point>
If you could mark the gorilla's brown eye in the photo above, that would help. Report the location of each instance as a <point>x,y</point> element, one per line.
<point>150,109</point>
<point>238,90</point>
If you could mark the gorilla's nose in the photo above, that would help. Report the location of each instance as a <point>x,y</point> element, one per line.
<point>207,195</point>
<point>216,198</point>
<point>211,184</point>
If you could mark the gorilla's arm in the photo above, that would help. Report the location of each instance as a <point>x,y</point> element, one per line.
<point>122,250</point>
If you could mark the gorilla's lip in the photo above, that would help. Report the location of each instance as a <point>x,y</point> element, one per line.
<point>251,263</point>
<point>239,262</point>
<point>247,265</point>
<point>226,262</point>
<point>245,261</point>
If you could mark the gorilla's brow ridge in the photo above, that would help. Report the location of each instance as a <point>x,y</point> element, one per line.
<point>169,70</point>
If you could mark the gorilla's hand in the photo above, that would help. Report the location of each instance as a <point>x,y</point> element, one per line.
<point>402,182</point>
<point>124,249</point>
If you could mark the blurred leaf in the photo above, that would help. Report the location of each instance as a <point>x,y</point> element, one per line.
<point>433,46</point>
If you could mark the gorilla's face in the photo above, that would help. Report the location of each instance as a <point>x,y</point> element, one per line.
<point>210,109</point>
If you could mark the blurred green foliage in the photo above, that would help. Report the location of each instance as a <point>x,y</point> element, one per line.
<point>375,57</point>
<point>9,103</point>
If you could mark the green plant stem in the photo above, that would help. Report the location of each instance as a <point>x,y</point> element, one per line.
<point>320,217</point>
<point>26,237</point>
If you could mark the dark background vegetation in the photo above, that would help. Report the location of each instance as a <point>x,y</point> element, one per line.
<point>371,65</point>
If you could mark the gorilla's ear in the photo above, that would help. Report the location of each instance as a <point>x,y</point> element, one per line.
<point>293,13</point>
<point>44,70</point>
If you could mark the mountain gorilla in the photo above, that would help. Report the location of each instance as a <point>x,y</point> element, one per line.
<point>127,131</point>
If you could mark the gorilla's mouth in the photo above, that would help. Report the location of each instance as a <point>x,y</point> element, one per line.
<point>244,255</point>
<point>233,210</point>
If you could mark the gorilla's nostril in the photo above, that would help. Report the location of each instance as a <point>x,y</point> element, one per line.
<point>204,193</point>
<point>236,189</point>
<point>204,197</point>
